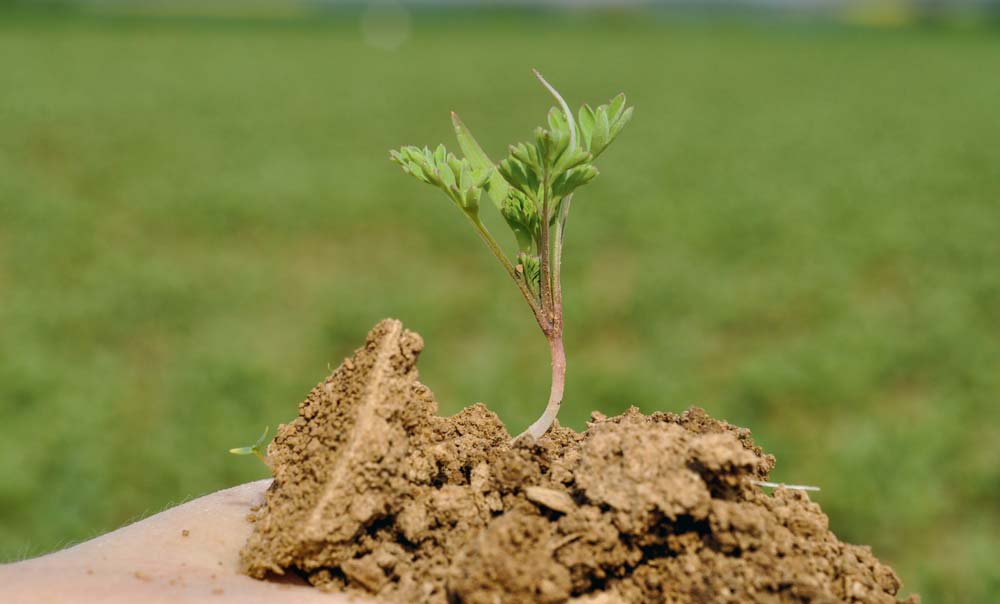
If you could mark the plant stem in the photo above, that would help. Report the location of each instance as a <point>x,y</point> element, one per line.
<point>522,285</point>
<point>550,265</point>
<point>557,311</point>
<point>544,249</point>
<point>555,334</point>
<point>543,423</point>
<point>550,322</point>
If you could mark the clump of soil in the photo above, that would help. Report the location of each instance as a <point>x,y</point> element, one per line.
<point>374,492</point>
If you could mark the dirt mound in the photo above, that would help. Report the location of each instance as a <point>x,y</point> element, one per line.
<point>374,492</point>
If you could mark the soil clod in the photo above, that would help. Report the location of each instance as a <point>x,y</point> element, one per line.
<point>375,493</point>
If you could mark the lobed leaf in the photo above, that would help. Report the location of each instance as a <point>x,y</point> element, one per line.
<point>522,169</point>
<point>569,181</point>
<point>599,127</point>
<point>456,177</point>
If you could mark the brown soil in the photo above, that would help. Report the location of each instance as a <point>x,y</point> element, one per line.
<point>375,493</point>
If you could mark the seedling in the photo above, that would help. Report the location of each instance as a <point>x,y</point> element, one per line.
<point>532,188</point>
<point>258,449</point>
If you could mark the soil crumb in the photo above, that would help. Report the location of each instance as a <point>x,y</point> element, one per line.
<point>374,493</point>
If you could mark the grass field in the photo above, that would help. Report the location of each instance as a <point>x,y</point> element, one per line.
<point>800,232</point>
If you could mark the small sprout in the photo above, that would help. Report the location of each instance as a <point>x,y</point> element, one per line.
<point>258,449</point>
<point>532,188</point>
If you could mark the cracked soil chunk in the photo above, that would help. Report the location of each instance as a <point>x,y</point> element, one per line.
<point>375,493</point>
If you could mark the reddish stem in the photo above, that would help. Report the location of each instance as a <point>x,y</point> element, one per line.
<point>543,423</point>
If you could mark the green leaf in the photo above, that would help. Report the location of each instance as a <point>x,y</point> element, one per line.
<point>586,121</point>
<point>615,107</point>
<point>526,154</point>
<point>521,216</point>
<point>551,145</point>
<point>258,448</point>
<point>522,169</point>
<point>571,180</point>
<point>454,176</point>
<point>496,186</point>
<point>557,122</point>
<point>470,201</point>
<point>263,437</point>
<point>529,266</point>
<point>602,131</point>
<point>571,160</point>
<point>544,144</point>
<point>411,160</point>
<point>609,120</point>
<point>624,119</point>
<point>456,170</point>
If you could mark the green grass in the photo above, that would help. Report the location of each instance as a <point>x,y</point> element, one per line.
<point>799,232</point>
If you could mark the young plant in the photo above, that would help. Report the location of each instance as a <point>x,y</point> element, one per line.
<point>258,449</point>
<point>532,187</point>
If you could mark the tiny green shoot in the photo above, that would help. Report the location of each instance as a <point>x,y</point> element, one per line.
<point>258,449</point>
<point>532,188</point>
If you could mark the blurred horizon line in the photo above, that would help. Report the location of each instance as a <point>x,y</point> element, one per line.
<point>878,13</point>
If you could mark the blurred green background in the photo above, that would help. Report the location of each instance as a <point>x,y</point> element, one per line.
<point>800,232</point>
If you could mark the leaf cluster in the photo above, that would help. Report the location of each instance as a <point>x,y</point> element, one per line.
<point>462,182</point>
<point>560,158</point>
<point>534,179</point>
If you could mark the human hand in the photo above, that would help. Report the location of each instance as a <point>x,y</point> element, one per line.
<point>189,553</point>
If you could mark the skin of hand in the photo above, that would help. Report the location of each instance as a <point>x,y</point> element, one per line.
<point>189,553</point>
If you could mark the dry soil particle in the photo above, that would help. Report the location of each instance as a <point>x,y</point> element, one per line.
<point>375,493</point>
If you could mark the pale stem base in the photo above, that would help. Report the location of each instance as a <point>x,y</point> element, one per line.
<point>543,423</point>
